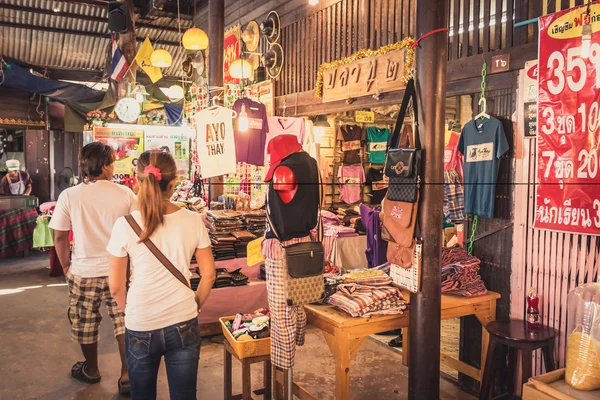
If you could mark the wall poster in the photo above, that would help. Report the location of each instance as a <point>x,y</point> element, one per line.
<point>128,144</point>
<point>568,179</point>
<point>174,140</point>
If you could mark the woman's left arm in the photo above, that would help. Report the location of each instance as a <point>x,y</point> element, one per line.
<point>117,280</point>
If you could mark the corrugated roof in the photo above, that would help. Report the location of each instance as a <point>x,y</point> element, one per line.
<point>24,43</point>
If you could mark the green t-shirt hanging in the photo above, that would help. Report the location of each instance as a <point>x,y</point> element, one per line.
<point>377,140</point>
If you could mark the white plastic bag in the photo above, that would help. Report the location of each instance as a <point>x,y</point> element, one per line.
<point>583,345</point>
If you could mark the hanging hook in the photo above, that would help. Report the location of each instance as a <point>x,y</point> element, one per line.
<point>482,105</point>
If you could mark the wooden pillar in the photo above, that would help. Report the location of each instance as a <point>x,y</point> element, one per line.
<point>216,35</point>
<point>128,46</point>
<point>425,307</point>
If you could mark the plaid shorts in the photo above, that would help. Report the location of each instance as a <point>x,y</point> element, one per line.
<point>85,297</point>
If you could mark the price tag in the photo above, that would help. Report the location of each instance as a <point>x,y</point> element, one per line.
<point>364,116</point>
<point>255,255</point>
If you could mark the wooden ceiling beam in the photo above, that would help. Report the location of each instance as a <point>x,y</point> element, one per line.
<point>73,32</point>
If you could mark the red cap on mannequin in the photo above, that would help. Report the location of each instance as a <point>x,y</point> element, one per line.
<point>279,148</point>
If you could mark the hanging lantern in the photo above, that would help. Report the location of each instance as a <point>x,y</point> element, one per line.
<point>241,69</point>
<point>176,92</point>
<point>195,39</point>
<point>161,58</point>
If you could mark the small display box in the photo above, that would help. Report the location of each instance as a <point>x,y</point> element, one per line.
<point>245,349</point>
<point>552,386</point>
<point>14,202</point>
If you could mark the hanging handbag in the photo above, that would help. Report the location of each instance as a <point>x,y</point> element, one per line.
<point>303,265</point>
<point>160,256</point>
<point>402,165</point>
<point>400,219</point>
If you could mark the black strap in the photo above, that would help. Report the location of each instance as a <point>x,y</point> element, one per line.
<point>157,253</point>
<point>410,93</point>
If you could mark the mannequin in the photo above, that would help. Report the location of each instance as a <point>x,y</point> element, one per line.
<point>292,204</point>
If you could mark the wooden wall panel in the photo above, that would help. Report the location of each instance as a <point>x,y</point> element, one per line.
<point>37,159</point>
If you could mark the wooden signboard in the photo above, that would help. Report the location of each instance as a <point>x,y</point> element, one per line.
<point>378,74</point>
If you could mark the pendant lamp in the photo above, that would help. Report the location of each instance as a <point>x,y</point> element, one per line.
<point>241,69</point>
<point>195,39</point>
<point>161,58</point>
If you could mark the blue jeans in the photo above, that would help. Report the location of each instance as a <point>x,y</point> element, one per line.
<point>179,344</point>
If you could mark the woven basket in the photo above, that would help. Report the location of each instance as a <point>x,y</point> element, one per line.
<point>245,349</point>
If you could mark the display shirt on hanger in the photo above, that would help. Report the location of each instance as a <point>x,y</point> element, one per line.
<point>215,142</point>
<point>352,138</point>
<point>482,143</point>
<point>249,144</point>
<point>351,177</point>
<point>379,184</point>
<point>377,141</point>
<point>285,126</point>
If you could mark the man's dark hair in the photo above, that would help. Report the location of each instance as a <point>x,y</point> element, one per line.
<point>92,158</point>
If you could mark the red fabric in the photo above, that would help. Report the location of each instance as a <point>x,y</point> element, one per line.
<point>55,265</point>
<point>16,231</point>
<point>232,300</point>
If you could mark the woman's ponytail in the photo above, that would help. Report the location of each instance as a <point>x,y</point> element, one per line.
<point>155,172</point>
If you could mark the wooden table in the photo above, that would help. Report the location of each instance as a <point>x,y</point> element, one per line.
<point>345,334</point>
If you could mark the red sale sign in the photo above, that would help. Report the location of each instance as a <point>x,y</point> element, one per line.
<point>568,187</point>
<point>231,44</point>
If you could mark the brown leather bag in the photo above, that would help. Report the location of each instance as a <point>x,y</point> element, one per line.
<point>400,220</point>
<point>401,256</point>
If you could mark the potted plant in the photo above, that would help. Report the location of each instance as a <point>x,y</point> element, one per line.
<point>96,117</point>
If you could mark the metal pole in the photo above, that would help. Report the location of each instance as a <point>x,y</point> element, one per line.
<point>425,307</point>
<point>216,35</point>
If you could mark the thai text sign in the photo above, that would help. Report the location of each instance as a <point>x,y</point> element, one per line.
<point>378,74</point>
<point>568,191</point>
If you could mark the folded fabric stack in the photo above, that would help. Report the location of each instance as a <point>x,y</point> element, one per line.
<point>368,301</point>
<point>241,246</point>
<point>460,273</point>
<point>338,231</point>
<point>256,222</point>
<point>350,217</point>
<point>369,277</point>
<point>221,224</point>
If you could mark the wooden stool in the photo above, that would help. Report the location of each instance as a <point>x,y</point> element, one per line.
<point>246,380</point>
<point>515,337</point>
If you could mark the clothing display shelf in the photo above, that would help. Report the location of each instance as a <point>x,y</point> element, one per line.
<point>382,122</point>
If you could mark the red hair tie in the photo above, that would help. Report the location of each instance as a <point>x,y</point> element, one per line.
<point>152,170</point>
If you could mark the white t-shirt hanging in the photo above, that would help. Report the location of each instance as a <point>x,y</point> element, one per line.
<point>215,141</point>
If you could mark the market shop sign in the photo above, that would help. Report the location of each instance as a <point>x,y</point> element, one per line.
<point>367,72</point>
<point>568,169</point>
<point>367,117</point>
<point>231,44</point>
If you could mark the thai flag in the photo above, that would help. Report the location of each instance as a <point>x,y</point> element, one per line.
<point>119,64</point>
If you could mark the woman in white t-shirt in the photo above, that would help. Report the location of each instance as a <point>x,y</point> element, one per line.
<point>160,310</point>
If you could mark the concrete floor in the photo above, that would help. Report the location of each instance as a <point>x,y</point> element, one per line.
<point>36,352</point>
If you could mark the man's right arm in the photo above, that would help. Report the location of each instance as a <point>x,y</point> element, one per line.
<point>63,249</point>
<point>60,222</point>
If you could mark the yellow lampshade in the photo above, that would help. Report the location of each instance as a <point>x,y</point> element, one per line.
<point>176,92</point>
<point>195,39</point>
<point>241,69</point>
<point>161,58</point>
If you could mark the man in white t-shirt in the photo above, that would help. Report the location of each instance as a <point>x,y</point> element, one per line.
<point>90,211</point>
